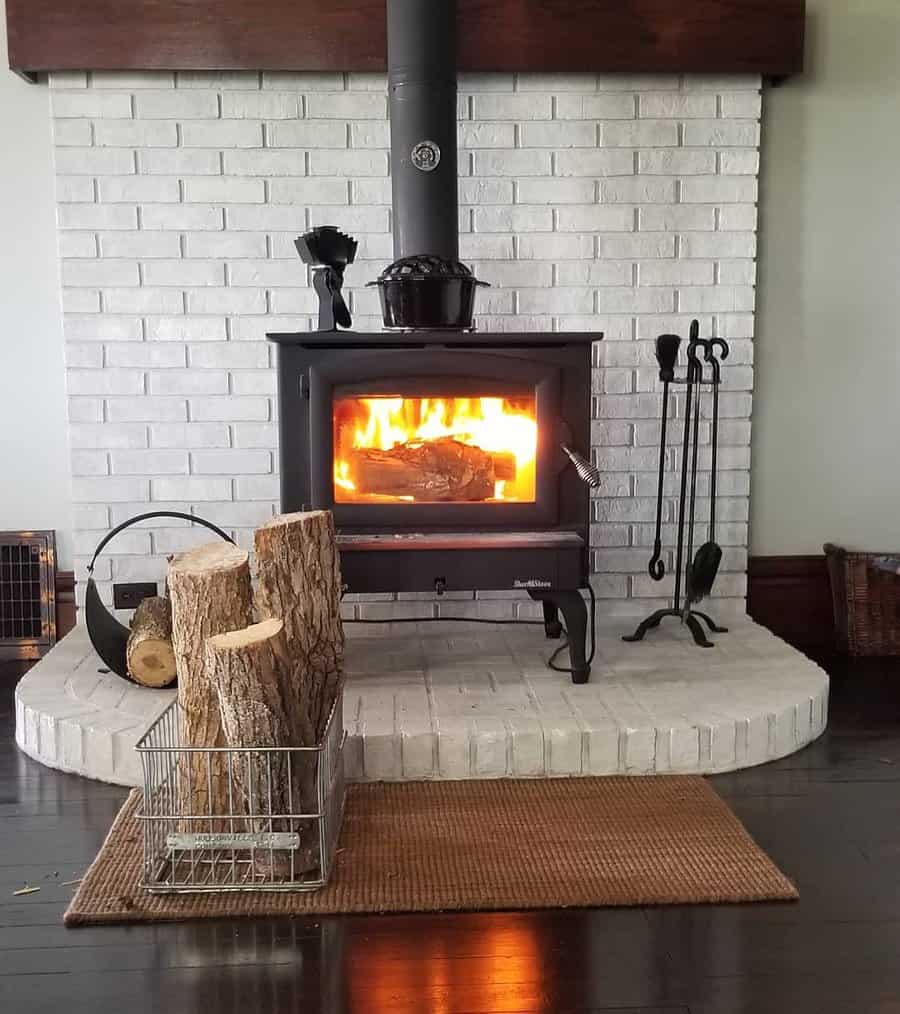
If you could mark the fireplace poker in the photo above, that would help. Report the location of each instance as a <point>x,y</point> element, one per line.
<point>695,369</point>
<point>667,346</point>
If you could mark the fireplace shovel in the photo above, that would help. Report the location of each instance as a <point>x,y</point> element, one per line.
<point>705,566</point>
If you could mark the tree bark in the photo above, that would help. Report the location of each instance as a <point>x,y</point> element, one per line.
<point>210,592</point>
<point>299,582</point>
<point>251,672</point>
<point>149,653</point>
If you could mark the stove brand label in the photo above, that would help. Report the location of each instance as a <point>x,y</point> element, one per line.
<point>531,582</point>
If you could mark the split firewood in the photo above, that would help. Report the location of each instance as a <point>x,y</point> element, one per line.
<point>149,653</point>
<point>504,465</point>
<point>299,582</point>
<point>436,470</point>
<point>252,674</point>
<point>210,592</point>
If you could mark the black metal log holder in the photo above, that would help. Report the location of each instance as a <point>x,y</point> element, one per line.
<point>714,352</point>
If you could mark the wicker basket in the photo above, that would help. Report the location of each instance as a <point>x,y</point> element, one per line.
<point>866,603</point>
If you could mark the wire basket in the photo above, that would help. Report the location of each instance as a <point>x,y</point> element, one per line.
<point>224,819</point>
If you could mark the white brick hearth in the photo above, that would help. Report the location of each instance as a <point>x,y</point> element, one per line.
<point>458,700</point>
<point>623,204</point>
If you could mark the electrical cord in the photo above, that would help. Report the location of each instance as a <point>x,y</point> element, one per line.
<point>511,623</point>
<point>552,659</point>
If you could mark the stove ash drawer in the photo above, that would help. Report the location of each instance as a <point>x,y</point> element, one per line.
<point>463,570</point>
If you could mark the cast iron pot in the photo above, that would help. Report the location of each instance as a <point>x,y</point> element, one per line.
<point>427,292</point>
<point>108,636</point>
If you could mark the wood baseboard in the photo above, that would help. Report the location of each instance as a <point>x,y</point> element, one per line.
<point>791,595</point>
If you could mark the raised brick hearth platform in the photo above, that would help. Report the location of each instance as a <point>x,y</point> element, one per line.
<point>461,700</point>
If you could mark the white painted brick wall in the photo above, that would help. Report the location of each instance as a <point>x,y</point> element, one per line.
<point>624,203</point>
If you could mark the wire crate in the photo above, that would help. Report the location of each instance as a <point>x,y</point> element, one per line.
<point>278,830</point>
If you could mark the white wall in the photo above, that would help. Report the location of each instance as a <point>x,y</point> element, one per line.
<point>622,204</point>
<point>34,460</point>
<point>826,420</point>
<point>826,433</point>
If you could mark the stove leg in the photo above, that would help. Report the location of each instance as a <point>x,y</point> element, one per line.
<point>552,626</point>
<point>574,612</point>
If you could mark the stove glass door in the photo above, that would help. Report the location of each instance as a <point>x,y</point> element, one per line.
<point>395,448</point>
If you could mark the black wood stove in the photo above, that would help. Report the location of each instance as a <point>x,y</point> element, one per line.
<point>450,459</point>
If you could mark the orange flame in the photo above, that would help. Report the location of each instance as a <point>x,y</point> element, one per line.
<point>498,426</point>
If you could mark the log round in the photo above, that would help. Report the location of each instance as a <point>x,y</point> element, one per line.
<point>299,581</point>
<point>149,654</point>
<point>210,592</point>
<point>251,672</point>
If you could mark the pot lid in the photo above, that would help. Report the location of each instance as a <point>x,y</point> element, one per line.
<point>422,267</point>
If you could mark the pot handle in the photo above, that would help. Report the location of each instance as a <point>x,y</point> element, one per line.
<point>153,514</point>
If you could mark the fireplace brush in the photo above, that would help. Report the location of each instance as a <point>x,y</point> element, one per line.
<point>699,572</point>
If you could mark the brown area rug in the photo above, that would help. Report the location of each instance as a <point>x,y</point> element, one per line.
<point>483,845</point>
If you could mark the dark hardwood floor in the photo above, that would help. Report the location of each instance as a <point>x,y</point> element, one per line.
<point>830,816</point>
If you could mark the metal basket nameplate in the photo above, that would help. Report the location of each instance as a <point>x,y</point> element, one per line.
<point>237,840</point>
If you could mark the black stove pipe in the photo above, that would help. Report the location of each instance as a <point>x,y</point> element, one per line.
<point>422,92</point>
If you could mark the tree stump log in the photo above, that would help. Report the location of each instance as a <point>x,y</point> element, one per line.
<point>299,582</point>
<point>149,654</point>
<point>210,592</point>
<point>252,674</point>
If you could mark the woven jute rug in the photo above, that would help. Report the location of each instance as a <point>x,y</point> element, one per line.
<point>479,846</point>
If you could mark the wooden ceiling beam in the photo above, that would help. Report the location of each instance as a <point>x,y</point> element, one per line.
<point>568,36</point>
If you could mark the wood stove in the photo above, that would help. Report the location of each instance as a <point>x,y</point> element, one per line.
<point>440,456</point>
<point>445,456</point>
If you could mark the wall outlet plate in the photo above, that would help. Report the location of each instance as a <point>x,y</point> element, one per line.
<point>129,596</point>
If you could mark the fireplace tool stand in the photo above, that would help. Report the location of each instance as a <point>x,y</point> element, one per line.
<point>714,350</point>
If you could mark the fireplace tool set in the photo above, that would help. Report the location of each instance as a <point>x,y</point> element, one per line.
<point>697,570</point>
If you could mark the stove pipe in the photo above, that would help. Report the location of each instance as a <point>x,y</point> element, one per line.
<point>422,92</point>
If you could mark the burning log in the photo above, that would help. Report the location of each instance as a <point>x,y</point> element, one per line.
<point>442,469</point>
<point>504,465</point>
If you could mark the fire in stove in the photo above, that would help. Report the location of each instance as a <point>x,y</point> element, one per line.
<point>394,449</point>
